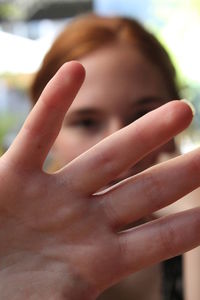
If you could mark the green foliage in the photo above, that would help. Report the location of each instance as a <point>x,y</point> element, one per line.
<point>9,11</point>
<point>196,5</point>
<point>6,122</point>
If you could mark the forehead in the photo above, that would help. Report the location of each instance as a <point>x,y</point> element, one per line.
<point>119,73</point>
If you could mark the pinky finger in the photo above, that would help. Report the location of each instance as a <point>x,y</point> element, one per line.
<point>159,240</point>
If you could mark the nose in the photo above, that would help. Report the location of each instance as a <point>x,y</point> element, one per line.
<point>114,125</point>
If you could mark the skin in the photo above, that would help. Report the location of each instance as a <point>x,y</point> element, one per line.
<point>49,245</point>
<point>121,85</point>
<point>191,258</point>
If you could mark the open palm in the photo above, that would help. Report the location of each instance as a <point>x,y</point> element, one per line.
<point>61,234</point>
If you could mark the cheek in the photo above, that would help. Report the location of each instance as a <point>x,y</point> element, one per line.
<point>69,145</point>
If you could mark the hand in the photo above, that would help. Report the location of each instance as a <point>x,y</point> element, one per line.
<point>59,237</point>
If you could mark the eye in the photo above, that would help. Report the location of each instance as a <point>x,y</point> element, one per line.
<point>88,124</point>
<point>137,115</point>
<point>142,113</point>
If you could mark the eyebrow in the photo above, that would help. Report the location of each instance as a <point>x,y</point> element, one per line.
<point>147,99</point>
<point>85,111</point>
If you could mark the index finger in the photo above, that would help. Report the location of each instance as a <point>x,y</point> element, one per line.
<point>104,162</point>
<point>42,126</point>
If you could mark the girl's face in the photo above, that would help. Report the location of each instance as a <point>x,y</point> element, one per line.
<point>121,85</point>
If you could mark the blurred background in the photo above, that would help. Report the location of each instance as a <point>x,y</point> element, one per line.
<point>27,29</point>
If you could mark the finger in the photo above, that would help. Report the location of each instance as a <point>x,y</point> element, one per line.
<point>44,122</point>
<point>104,162</point>
<point>153,189</point>
<point>159,240</point>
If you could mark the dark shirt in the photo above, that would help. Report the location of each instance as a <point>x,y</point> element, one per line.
<point>172,279</point>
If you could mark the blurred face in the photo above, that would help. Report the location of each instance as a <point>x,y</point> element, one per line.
<point>121,85</point>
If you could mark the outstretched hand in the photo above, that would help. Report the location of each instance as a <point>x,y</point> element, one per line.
<point>61,234</point>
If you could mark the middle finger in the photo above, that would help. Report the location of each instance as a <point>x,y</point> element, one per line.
<point>107,160</point>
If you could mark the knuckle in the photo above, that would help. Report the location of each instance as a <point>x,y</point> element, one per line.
<point>194,167</point>
<point>107,160</point>
<point>153,189</point>
<point>123,246</point>
<point>167,238</point>
<point>111,213</point>
<point>104,158</point>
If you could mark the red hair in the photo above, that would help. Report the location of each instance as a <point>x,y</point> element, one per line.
<point>88,33</point>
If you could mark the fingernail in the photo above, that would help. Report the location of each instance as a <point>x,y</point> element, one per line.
<point>190,105</point>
